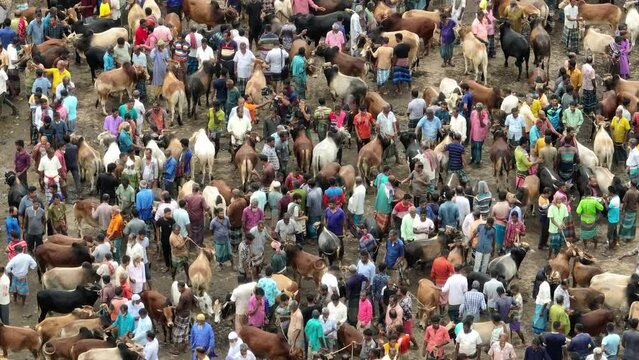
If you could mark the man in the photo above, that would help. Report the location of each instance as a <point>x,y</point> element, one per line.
<point>619,128</point>
<point>468,341</point>
<point>330,324</point>
<point>108,182</point>
<point>570,35</point>
<point>22,162</point>
<point>363,123</point>
<point>428,128</point>
<point>330,280</point>
<point>19,267</point>
<point>115,231</point>
<point>35,224</point>
<point>384,56</point>
<point>416,108</point>
<point>387,128</point>
<point>356,28</point>
<point>455,287</point>
<point>49,170</point>
<point>457,158</point>
<point>589,88</point>
<point>502,349</point>
<point>143,326</point>
<point>515,124</point>
<point>243,66</point>
<point>202,336</point>
<point>573,117</point>
<point>435,338</point>
<point>406,228</point>
<point>394,252</point>
<point>401,68</point>
<point>474,303</point>
<point>630,340</point>
<point>35,30</point>
<point>179,252</point>
<point>486,234</point>
<point>587,209</point>
<point>558,314</point>
<point>448,214</point>
<point>557,215</point>
<point>314,332</point>
<point>355,283</point>
<point>334,219</point>
<point>182,316</point>
<point>5,298</point>
<point>441,270</point>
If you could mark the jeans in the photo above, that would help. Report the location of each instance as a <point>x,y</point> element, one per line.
<point>76,181</point>
<point>117,244</point>
<point>33,241</point>
<point>481,262</point>
<point>475,151</point>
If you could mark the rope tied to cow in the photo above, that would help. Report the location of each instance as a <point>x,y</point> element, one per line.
<point>194,243</point>
<point>352,346</point>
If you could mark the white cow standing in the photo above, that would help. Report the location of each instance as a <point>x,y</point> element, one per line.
<point>203,152</point>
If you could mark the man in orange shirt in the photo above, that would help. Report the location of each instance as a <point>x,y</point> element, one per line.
<point>440,271</point>
<point>363,122</point>
<point>115,230</point>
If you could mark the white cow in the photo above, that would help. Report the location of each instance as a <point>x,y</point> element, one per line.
<point>204,302</point>
<point>283,9</point>
<point>203,152</point>
<point>596,42</point>
<point>213,198</point>
<point>326,150</point>
<point>613,286</point>
<point>475,51</point>
<point>448,86</point>
<point>112,155</point>
<point>603,146</point>
<point>157,154</point>
<point>587,157</point>
<point>632,20</point>
<point>604,177</point>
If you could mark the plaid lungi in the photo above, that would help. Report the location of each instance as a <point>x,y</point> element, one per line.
<point>520,177</point>
<point>14,82</point>
<point>491,45</point>
<point>382,220</point>
<point>382,76</point>
<point>588,231</point>
<point>556,242</point>
<point>589,99</point>
<point>401,74</point>
<point>570,39</point>
<point>179,261</point>
<point>446,51</point>
<point>223,252</point>
<point>191,65</point>
<point>628,225</point>
<point>241,84</point>
<point>569,230</point>
<point>181,328</point>
<point>19,285</point>
<point>235,235</point>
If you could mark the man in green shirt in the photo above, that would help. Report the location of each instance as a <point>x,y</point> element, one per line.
<point>522,162</point>
<point>315,335</point>
<point>559,314</point>
<point>573,117</point>
<point>321,118</point>
<point>557,214</point>
<point>123,324</point>
<point>216,125</point>
<point>587,209</point>
<point>232,96</point>
<point>128,108</point>
<point>298,72</point>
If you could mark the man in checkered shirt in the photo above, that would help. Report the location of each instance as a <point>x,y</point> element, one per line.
<point>474,302</point>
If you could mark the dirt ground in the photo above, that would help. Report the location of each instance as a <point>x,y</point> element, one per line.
<point>430,73</point>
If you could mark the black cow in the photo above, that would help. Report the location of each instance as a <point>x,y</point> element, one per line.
<point>196,86</point>
<point>342,86</point>
<point>329,245</point>
<point>548,178</point>
<point>95,59</point>
<point>16,189</point>
<point>317,26</point>
<point>126,353</point>
<point>581,178</point>
<point>514,44</point>
<point>96,26</point>
<point>480,277</point>
<point>63,302</point>
<point>506,266</point>
<point>411,147</point>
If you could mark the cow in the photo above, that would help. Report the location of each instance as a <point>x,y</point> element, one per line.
<point>19,338</point>
<point>136,13</point>
<point>257,81</point>
<point>603,145</point>
<point>374,103</point>
<point>548,178</point>
<point>170,142</point>
<point>432,15</point>
<point>613,286</point>
<point>330,246</point>
<point>156,152</point>
<point>582,273</point>
<point>200,271</point>
<point>92,324</point>
<point>507,266</point>
<point>79,27</point>
<point>302,148</point>
<point>51,255</point>
<point>173,91</point>
<point>203,152</point>
<point>605,179</point>
<point>560,264</point>
<point>60,239</point>
<point>620,85</point>
<point>197,84</point>
<point>88,159</point>
<point>607,106</point>
<point>112,154</point>
<point>85,345</point>
<point>209,13</point>
<point>411,146</point>
<point>317,26</point>
<point>82,211</point>
<point>597,14</point>
<point>62,301</point>
<point>428,297</point>
<point>529,8</point>
<point>48,52</point>
<point>214,199</point>
<point>500,155</point>
<point>287,286</point>
<point>632,20</point>
<point>341,86</point>
<point>422,26</point>
<point>95,60</point>
<point>50,327</point>
<point>311,69</point>
<point>595,321</point>
<point>120,352</point>
<point>245,158</point>
<point>347,65</point>
<point>376,37</point>
<point>159,309</point>
<point>60,348</point>
<point>631,99</point>
<point>328,171</point>
<point>475,51</point>
<point>349,338</point>
<point>540,42</point>
<point>173,22</point>
<point>69,278</point>
<point>304,264</point>
<point>223,188</point>
<point>325,151</point>
<point>528,193</point>
<point>105,39</point>
<point>587,157</point>
<point>585,299</point>
<point>346,178</point>
<point>371,156</point>
<point>596,42</point>
<point>425,251</point>
<point>17,190</point>
<point>514,44</point>
<point>123,78</point>
<point>581,178</point>
<point>268,345</point>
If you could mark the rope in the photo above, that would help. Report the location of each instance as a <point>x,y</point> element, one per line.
<point>352,345</point>
<point>419,303</point>
<point>194,243</point>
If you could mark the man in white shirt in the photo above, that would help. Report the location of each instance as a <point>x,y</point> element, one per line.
<point>458,124</point>
<point>144,325</point>
<point>562,290</point>
<point>490,289</point>
<point>238,125</point>
<point>456,286</point>
<point>356,28</point>
<point>115,9</point>
<point>338,312</point>
<point>357,200</point>
<point>5,299</point>
<point>330,280</point>
<point>366,267</point>
<point>240,296</point>
<point>462,203</point>
<point>570,36</point>
<point>195,41</point>
<point>40,112</point>
<point>239,38</point>
<point>386,126</point>
<point>245,353</point>
<point>19,267</point>
<point>515,124</point>
<point>468,341</point>
<point>204,53</point>
<point>286,230</point>
<point>243,62</point>
<point>139,108</point>
<point>152,346</point>
<point>275,59</point>
<point>330,327</point>
<point>48,169</point>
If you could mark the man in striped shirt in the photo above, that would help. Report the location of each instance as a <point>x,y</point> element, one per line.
<point>182,50</point>
<point>456,158</point>
<point>474,303</point>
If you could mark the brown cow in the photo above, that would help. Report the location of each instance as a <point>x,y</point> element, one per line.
<point>224,189</point>
<point>235,208</point>
<point>500,155</point>
<point>381,10</point>
<point>209,13</point>
<point>423,27</point>
<point>348,335</point>
<point>620,85</point>
<point>597,14</point>
<point>432,15</point>
<point>245,158</point>
<point>457,254</point>
<point>428,296</point>
<point>268,345</point>
<point>376,37</point>
<point>370,156</point>
<point>50,327</point>
<point>346,64</point>
<point>490,97</point>
<point>60,348</point>
<point>374,103</point>
<point>540,42</point>
<point>328,171</point>
<point>257,81</point>
<point>120,79</point>
<point>585,299</point>
<point>607,105</point>
<point>595,321</point>
<point>85,345</point>
<point>304,264</point>
<point>60,239</point>
<point>303,149</point>
<point>431,93</point>
<point>287,286</point>
<point>561,263</point>
<point>200,271</point>
<point>538,78</point>
<point>528,193</point>
<point>582,273</point>
<point>51,255</point>
<point>83,211</point>
<point>18,339</point>
<point>89,160</point>
<point>173,90</point>
<point>347,175</point>
<point>173,22</point>
<point>50,54</point>
<point>75,326</point>
<point>632,98</point>
<point>160,310</point>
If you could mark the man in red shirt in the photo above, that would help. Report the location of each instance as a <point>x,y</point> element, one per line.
<point>141,33</point>
<point>440,271</point>
<point>363,122</point>
<point>401,209</point>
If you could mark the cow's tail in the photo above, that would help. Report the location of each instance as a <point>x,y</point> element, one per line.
<point>316,166</point>
<point>180,104</point>
<point>245,171</point>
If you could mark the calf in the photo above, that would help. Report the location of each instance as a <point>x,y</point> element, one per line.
<point>267,345</point>
<point>342,85</point>
<point>62,301</point>
<point>50,327</point>
<point>160,310</point>
<point>475,51</point>
<point>304,264</point>
<point>95,324</point>
<point>83,212</point>
<point>287,286</point>
<point>515,45</point>
<point>18,339</point>
<point>347,65</point>
<point>120,79</point>
<point>85,345</point>
<point>596,42</point>
<point>347,336</point>
<point>595,321</point>
<point>69,278</point>
<point>325,151</point>
<point>89,161</point>
<point>581,273</point>
<point>490,97</point>
<point>303,149</point>
<point>603,145</point>
<point>346,178</point>
<point>540,42</point>
<point>257,81</point>
<point>428,296</point>
<point>587,157</point>
<point>245,158</point>
<point>328,171</point>
<point>597,14</point>
<point>370,156</point>
<point>120,352</point>
<point>374,103</point>
<point>528,193</point>
<point>200,271</point>
<point>51,255</point>
<point>173,91</point>
<point>500,155</point>
<point>203,152</point>
<point>60,348</point>
<point>223,188</point>
<point>507,266</point>
<point>422,26</point>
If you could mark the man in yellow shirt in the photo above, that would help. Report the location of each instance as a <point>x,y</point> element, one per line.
<point>58,73</point>
<point>216,125</point>
<point>105,9</point>
<point>574,74</point>
<point>619,128</point>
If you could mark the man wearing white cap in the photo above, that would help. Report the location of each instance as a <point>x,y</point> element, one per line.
<point>135,305</point>
<point>234,345</point>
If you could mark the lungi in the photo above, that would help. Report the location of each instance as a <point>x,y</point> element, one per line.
<point>179,261</point>
<point>197,230</point>
<point>235,235</point>
<point>222,252</point>
<point>539,319</point>
<point>491,45</point>
<point>300,86</point>
<point>570,39</point>
<point>463,177</point>
<point>569,230</point>
<point>620,153</point>
<point>14,82</point>
<point>401,74</point>
<point>556,241</point>
<point>382,220</point>
<point>519,179</point>
<point>19,285</point>
<point>500,233</point>
<point>446,51</point>
<point>588,231</point>
<point>241,84</point>
<point>181,328</point>
<point>515,325</point>
<point>634,174</point>
<point>382,76</point>
<point>628,225</point>
<point>352,309</point>
<point>191,65</point>
<point>443,297</point>
<point>141,87</point>
<point>589,99</point>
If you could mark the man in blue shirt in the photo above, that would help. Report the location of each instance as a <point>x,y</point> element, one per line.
<point>35,30</point>
<point>430,126</point>
<point>553,113</point>
<point>486,233</point>
<point>456,158</point>
<point>170,167</point>
<point>515,124</point>
<point>41,82</point>
<point>394,251</point>
<point>466,104</point>
<point>6,33</point>
<point>144,202</point>
<point>582,342</point>
<point>448,214</point>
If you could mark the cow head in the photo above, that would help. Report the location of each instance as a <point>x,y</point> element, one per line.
<point>10,178</point>
<point>105,138</point>
<point>205,304</point>
<point>228,309</point>
<point>84,312</point>
<point>168,313</point>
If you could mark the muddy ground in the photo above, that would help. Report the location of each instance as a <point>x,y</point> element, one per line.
<point>430,73</point>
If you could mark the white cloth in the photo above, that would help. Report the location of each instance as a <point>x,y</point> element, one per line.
<point>468,342</point>
<point>37,115</point>
<point>490,291</point>
<point>367,270</point>
<point>5,283</point>
<point>20,264</point>
<point>241,39</point>
<point>151,350</point>
<point>356,30</point>
<point>466,225</point>
<point>559,291</point>
<point>337,313</point>
<point>143,325</point>
<point>276,59</point>
<point>329,326</point>
<point>244,63</point>
<point>139,60</point>
<point>241,295</point>
<point>249,356</point>
<point>633,158</point>
<point>50,166</point>
<point>136,273</point>
<point>60,87</point>
<point>456,286</point>
<point>463,207</point>
<point>330,281</point>
<point>160,211</point>
<point>12,53</point>
<point>573,12</point>
<point>3,81</point>
<point>203,55</point>
<point>543,296</point>
<point>456,10</point>
<point>198,43</point>
<point>386,123</point>
<point>420,225</point>
<point>234,349</point>
<point>357,200</point>
<point>458,125</point>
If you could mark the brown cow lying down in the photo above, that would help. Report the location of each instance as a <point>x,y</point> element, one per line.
<point>66,240</point>
<point>267,345</point>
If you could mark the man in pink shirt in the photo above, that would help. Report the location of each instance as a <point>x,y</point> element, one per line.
<point>335,38</point>
<point>256,311</point>
<point>162,32</point>
<point>365,312</point>
<point>479,27</point>
<point>302,7</point>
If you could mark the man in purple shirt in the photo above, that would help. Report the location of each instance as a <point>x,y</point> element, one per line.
<point>334,222</point>
<point>112,122</point>
<point>251,215</point>
<point>22,162</point>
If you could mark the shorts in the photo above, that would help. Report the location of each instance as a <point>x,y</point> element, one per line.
<point>179,261</point>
